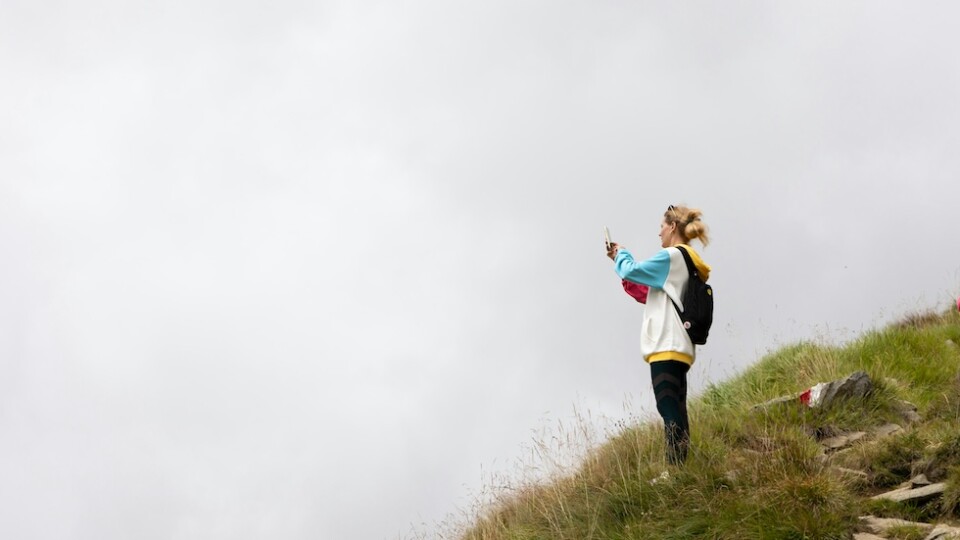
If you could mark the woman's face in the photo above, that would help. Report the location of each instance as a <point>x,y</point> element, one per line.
<point>666,233</point>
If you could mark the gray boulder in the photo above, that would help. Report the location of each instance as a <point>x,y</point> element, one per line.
<point>857,385</point>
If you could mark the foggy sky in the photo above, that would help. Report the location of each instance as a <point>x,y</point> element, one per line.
<point>319,269</point>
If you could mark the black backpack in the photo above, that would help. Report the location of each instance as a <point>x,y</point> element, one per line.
<point>697,314</point>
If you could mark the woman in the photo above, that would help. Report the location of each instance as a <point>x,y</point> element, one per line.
<point>664,342</point>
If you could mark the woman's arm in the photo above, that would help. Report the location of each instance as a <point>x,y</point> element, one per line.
<point>652,272</point>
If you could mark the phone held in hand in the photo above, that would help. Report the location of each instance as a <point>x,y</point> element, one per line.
<point>606,237</point>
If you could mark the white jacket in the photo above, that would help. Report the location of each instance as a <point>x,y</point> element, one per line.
<point>662,334</point>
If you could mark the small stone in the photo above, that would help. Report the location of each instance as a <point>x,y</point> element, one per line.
<point>867,536</point>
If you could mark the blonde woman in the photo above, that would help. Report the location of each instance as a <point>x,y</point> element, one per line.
<point>664,342</point>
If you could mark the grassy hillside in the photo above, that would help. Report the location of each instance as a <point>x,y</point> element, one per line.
<point>764,474</point>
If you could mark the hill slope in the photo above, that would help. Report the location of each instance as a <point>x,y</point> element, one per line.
<point>765,473</point>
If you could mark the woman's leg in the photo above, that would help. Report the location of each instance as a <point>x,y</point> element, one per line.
<point>670,388</point>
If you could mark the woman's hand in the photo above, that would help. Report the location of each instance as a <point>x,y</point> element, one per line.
<point>612,252</point>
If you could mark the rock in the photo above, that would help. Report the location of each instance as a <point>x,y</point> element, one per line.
<point>867,536</point>
<point>823,432</point>
<point>919,480</point>
<point>918,495</point>
<point>909,411</point>
<point>951,343</point>
<point>834,442</point>
<point>857,385</point>
<point>906,405</point>
<point>877,525</point>
<point>840,441</point>
<point>856,436</point>
<point>887,429</point>
<point>894,494</point>
<point>943,532</point>
<point>911,417</point>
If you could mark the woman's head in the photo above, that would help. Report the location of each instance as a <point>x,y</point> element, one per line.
<point>681,225</point>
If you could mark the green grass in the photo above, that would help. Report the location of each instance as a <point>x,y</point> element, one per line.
<point>907,532</point>
<point>761,474</point>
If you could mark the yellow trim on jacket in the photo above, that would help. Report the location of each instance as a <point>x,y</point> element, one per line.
<point>670,355</point>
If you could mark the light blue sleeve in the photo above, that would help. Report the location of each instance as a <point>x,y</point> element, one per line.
<point>652,272</point>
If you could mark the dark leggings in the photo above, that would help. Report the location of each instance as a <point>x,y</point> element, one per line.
<point>670,388</point>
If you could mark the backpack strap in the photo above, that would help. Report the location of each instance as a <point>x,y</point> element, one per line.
<point>691,269</point>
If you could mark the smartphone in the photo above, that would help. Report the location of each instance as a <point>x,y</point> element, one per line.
<point>606,237</point>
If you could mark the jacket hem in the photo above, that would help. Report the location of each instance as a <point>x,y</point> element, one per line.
<point>670,355</point>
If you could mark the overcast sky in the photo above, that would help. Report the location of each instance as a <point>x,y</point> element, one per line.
<point>318,269</point>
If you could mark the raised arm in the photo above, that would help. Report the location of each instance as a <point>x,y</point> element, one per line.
<point>651,272</point>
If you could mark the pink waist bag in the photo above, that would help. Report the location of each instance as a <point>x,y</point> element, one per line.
<point>636,290</point>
